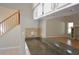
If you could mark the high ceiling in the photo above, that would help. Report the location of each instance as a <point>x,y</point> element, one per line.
<point>5,12</point>
<point>7,9</point>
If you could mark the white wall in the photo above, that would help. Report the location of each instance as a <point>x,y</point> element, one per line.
<point>52,27</point>
<point>42,25</point>
<point>58,26</point>
<point>25,19</point>
<point>11,40</point>
<point>55,27</point>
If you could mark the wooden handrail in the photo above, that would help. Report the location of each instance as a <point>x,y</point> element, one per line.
<point>11,16</point>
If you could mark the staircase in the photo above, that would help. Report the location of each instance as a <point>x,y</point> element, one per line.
<point>9,23</point>
<point>10,35</point>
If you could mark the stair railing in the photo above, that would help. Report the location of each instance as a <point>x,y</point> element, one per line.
<point>9,23</point>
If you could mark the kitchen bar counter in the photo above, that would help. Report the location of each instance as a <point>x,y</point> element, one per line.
<point>48,46</point>
<point>60,47</point>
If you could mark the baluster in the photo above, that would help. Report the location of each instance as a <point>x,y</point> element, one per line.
<point>14,20</point>
<point>17,18</point>
<point>0,29</point>
<point>4,26</point>
<point>11,22</point>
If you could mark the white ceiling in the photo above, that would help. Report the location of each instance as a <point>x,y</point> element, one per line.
<point>5,12</point>
<point>14,5</point>
<point>7,9</point>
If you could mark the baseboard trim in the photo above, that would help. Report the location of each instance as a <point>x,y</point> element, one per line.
<point>57,36</point>
<point>7,48</point>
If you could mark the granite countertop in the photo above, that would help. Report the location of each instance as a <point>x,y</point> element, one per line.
<point>62,48</point>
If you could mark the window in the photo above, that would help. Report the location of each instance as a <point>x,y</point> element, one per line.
<point>70,25</point>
